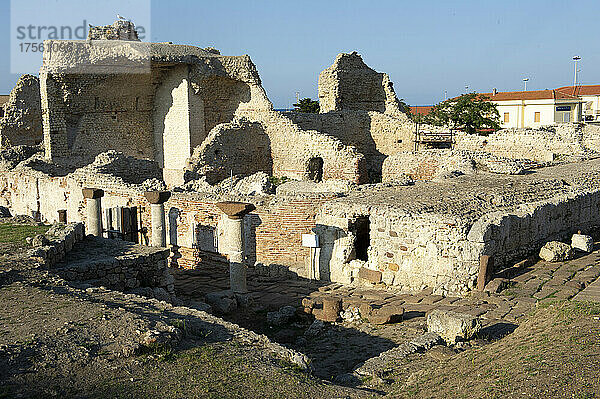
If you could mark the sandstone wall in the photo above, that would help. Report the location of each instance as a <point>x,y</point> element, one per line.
<point>349,84</point>
<point>22,121</point>
<point>274,144</point>
<point>429,164</point>
<point>558,142</point>
<point>373,134</point>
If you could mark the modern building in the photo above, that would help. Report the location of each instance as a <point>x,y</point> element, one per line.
<point>536,108</point>
<point>590,95</point>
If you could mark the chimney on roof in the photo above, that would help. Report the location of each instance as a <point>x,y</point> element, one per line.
<point>494,91</point>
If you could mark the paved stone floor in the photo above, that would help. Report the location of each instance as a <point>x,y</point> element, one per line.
<point>590,293</point>
<point>339,347</point>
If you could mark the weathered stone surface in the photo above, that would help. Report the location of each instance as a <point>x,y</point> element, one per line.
<point>157,197</point>
<point>452,326</point>
<point>331,309</point>
<point>582,242</point>
<point>92,193</point>
<point>496,285</point>
<point>389,313</point>
<point>556,251</point>
<point>22,121</point>
<point>222,302</point>
<point>486,268</point>
<point>281,317</point>
<point>372,276</point>
<point>39,240</point>
<point>235,210</point>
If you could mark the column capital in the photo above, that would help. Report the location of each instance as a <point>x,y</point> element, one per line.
<point>235,210</point>
<point>93,193</point>
<point>157,197</point>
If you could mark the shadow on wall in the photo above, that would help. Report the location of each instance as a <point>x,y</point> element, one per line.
<point>221,96</point>
<point>239,148</point>
<point>353,128</point>
<point>251,222</point>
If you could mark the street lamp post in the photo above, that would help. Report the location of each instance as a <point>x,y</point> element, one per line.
<point>576,59</point>
<point>525,80</point>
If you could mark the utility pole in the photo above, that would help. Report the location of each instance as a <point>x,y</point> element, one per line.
<point>297,97</point>
<point>445,95</point>
<point>576,59</point>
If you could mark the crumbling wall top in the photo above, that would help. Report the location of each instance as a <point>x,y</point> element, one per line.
<point>349,84</point>
<point>119,30</point>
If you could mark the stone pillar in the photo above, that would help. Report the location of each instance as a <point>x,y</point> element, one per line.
<point>93,223</point>
<point>486,269</point>
<point>234,237</point>
<point>157,201</point>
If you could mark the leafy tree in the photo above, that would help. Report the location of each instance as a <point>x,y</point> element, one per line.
<point>307,105</point>
<point>469,112</point>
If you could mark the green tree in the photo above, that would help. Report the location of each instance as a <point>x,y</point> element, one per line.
<point>469,112</point>
<point>307,105</point>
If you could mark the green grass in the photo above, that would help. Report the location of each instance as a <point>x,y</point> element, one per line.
<point>17,233</point>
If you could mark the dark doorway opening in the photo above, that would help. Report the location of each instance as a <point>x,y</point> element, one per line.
<point>315,169</point>
<point>361,228</point>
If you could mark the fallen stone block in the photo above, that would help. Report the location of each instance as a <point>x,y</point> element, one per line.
<point>496,285</point>
<point>222,301</point>
<point>281,317</point>
<point>390,313</point>
<point>556,251</point>
<point>452,326</point>
<point>372,276</point>
<point>582,242</point>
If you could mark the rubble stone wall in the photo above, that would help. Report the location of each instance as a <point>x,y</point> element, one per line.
<point>442,252</point>
<point>22,121</point>
<point>543,145</point>
<point>373,134</point>
<point>276,145</point>
<point>87,114</point>
<point>117,265</point>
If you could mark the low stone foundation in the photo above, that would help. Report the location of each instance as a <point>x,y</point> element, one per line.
<point>117,265</point>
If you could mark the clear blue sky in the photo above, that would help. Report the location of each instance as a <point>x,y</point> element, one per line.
<point>425,47</point>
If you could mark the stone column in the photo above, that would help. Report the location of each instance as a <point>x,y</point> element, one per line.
<point>157,201</point>
<point>93,224</point>
<point>234,237</point>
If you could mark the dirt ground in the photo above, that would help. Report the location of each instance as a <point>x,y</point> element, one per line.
<point>55,343</point>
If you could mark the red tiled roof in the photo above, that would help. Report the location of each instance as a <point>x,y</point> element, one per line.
<point>421,109</point>
<point>580,90</point>
<point>529,95</point>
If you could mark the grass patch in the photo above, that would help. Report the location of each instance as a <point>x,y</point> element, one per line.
<point>16,233</point>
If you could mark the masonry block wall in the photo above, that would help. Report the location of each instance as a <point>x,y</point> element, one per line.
<point>89,114</point>
<point>22,121</point>
<point>543,145</point>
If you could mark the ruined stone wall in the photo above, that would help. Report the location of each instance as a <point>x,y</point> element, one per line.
<point>374,134</point>
<point>272,134</point>
<point>92,102</point>
<point>431,163</point>
<point>349,84</point>
<point>22,121</point>
<point>558,142</point>
<point>412,252</point>
<point>195,224</point>
<point>89,114</point>
<point>238,148</point>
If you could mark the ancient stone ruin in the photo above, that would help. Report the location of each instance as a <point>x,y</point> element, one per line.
<point>175,146</point>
